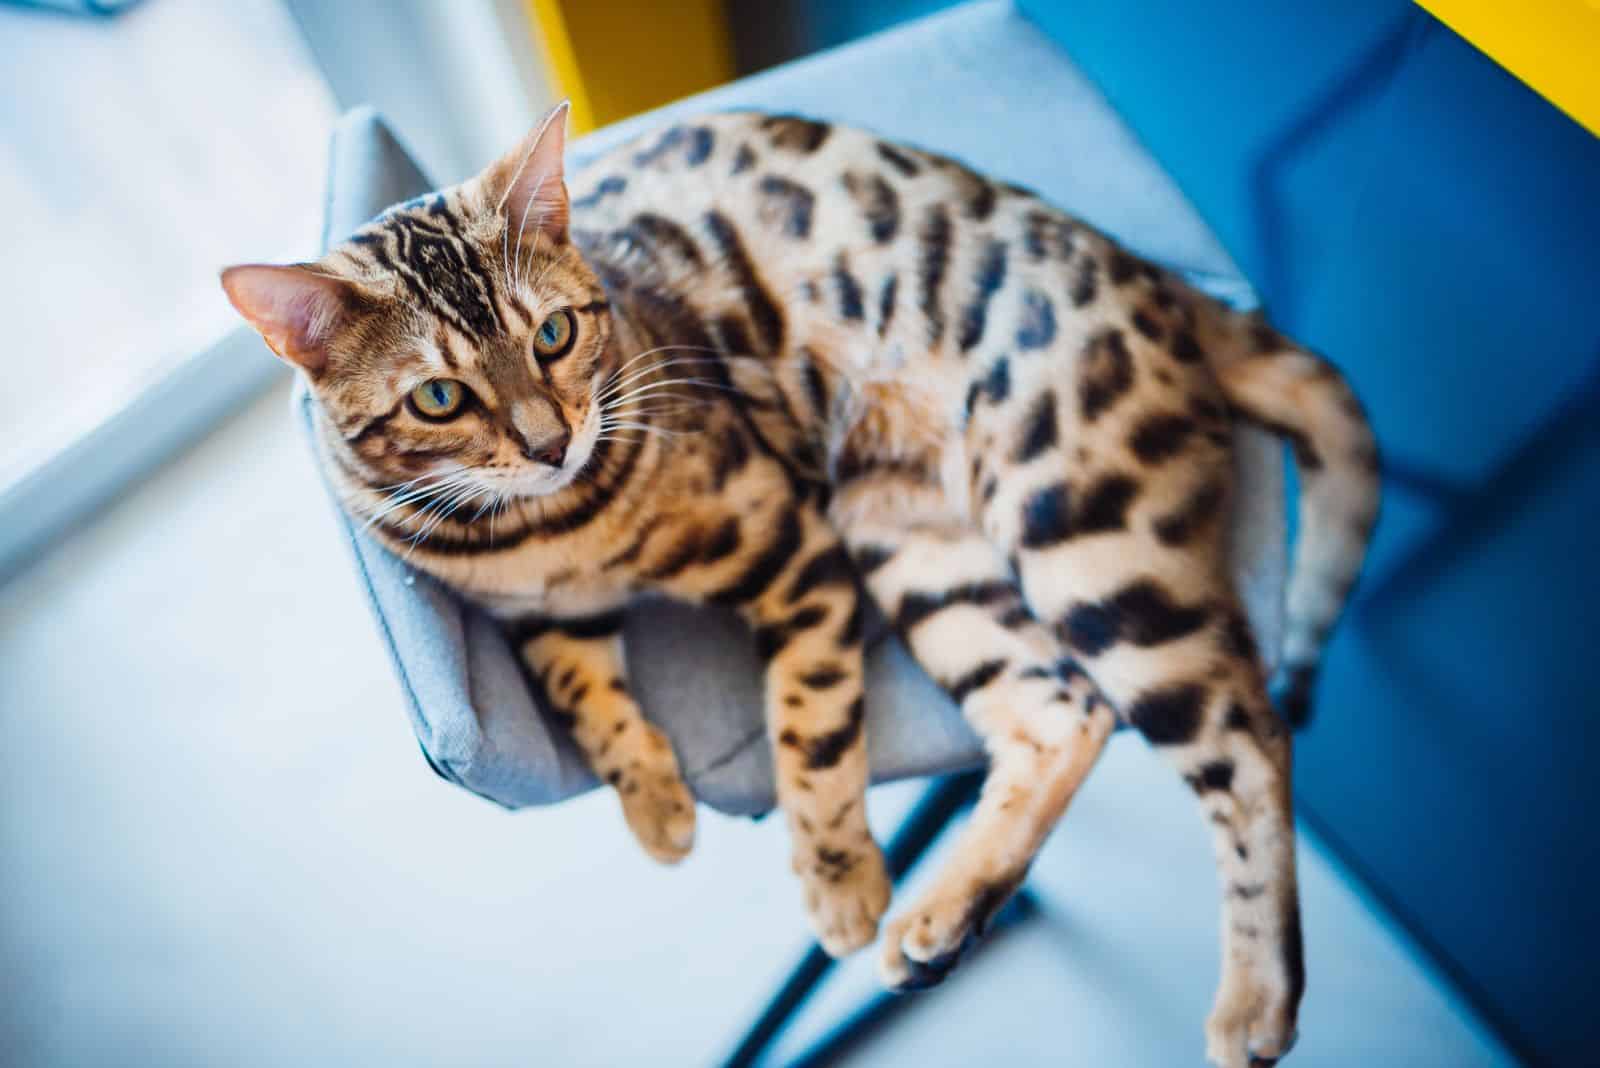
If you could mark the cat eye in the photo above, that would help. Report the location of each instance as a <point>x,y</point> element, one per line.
<point>438,398</point>
<point>554,336</point>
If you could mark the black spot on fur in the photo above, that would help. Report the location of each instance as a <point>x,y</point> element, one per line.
<point>1045,517</point>
<point>871,557</point>
<point>590,627</point>
<point>976,679</point>
<point>980,198</point>
<point>1121,267</point>
<point>767,564</point>
<point>743,160</point>
<point>1105,373</point>
<point>1084,283</point>
<point>1104,507</point>
<point>991,275</point>
<point>795,134</point>
<point>787,204</point>
<point>1146,324</point>
<point>1038,327</point>
<point>1035,235</point>
<point>816,385</point>
<point>850,306</point>
<point>1169,716</point>
<point>827,749</point>
<point>879,204</point>
<point>724,542</point>
<point>850,633</point>
<point>1039,430</point>
<point>1160,437</point>
<point>831,567</point>
<point>995,386</point>
<point>736,340</point>
<point>684,551</point>
<point>823,676</point>
<point>1149,615</point>
<point>764,311</point>
<point>1238,640</point>
<point>695,143</point>
<point>1193,516</point>
<point>659,235</point>
<point>898,160</point>
<point>886,303</point>
<point>1217,775</point>
<point>771,638</point>
<point>917,606</point>
<point>1142,613</point>
<point>1265,339</point>
<point>934,260</point>
<point>733,454</point>
<point>700,142</point>
<point>1185,349</point>
<point>1045,234</point>
<point>1091,628</point>
<point>609,186</point>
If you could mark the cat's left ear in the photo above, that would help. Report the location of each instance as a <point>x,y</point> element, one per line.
<point>527,185</point>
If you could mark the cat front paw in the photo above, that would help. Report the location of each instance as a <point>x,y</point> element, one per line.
<point>656,801</point>
<point>846,889</point>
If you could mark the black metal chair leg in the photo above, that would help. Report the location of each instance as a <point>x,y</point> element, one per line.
<point>855,1028</point>
<point>928,819</point>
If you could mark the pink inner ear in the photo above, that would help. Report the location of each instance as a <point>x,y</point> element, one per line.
<point>295,309</point>
<point>534,196</point>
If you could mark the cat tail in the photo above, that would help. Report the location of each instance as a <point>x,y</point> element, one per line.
<point>1303,398</point>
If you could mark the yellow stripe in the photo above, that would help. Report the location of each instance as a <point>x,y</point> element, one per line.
<point>550,28</point>
<point>1552,45</point>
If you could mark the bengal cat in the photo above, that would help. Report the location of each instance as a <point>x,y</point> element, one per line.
<point>763,361</point>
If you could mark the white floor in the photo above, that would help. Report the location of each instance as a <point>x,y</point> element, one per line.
<point>219,845</point>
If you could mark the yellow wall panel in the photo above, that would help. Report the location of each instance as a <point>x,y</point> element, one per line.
<point>1552,45</point>
<point>615,58</point>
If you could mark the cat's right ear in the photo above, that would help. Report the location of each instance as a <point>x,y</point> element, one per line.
<point>296,309</point>
<point>527,185</point>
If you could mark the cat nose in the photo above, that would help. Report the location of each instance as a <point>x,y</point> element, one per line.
<point>552,450</point>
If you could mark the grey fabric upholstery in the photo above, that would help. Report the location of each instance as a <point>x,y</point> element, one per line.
<point>979,83</point>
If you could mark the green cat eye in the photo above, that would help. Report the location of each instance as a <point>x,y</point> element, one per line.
<point>554,336</point>
<point>438,398</point>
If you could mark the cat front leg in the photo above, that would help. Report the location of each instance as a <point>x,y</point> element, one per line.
<point>807,615</point>
<point>582,667</point>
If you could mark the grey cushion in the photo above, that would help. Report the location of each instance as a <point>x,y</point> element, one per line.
<point>979,83</point>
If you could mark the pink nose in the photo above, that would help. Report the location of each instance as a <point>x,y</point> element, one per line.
<point>552,450</point>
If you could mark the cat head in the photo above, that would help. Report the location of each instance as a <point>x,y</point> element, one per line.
<point>458,337</point>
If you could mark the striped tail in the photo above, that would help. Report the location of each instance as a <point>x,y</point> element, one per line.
<point>1304,399</point>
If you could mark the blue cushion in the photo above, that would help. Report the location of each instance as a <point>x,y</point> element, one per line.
<point>979,83</point>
